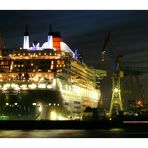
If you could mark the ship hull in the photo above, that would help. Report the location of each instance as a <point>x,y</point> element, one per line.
<point>40,104</point>
<point>30,104</point>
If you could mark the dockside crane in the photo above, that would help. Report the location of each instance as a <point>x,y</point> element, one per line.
<point>116,100</point>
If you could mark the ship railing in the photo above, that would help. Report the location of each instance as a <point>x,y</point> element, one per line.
<point>25,76</point>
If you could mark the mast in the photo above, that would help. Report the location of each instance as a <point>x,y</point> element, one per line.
<point>50,38</point>
<point>26,39</point>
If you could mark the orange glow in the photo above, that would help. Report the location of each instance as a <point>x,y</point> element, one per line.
<point>56,39</point>
<point>139,103</point>
<point>86,103</point>
<point>56,43</point>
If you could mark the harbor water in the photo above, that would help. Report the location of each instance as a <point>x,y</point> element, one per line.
<point>73,133</point>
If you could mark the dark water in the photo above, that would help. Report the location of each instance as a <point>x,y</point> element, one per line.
<point>66,133</point>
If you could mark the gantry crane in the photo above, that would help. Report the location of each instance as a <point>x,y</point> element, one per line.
<point>116,99</point>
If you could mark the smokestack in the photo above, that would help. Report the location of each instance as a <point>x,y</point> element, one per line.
<point>50,38</point>
<point>26,39</point>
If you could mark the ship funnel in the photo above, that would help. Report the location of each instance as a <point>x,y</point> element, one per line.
<point>26,39</point>
<point>54,40</point>
<point>50,39</point>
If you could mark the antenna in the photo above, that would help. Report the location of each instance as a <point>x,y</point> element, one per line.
<point>26,27</point>
<point>26,33</point>
<point>50,28</point>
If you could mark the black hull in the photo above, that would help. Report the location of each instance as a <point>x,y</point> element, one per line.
<point>29,104</point>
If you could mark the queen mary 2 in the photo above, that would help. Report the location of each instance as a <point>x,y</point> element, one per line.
<point>48,82</point>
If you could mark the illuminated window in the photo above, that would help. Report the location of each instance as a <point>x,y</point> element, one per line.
<point>58,61</point>
<point>62,62</point>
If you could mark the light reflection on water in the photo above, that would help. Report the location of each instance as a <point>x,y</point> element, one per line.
<point>67,133</point>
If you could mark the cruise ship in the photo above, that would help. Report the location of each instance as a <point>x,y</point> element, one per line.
<point>48,82</point>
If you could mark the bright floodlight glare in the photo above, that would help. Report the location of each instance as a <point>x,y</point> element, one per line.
<point>53,115</point>
<point>60,117</point>
<point>15,103</point>
<point>49,86</point>
<point>41,85</point>
<point>40,108</point>
<point>116,90</point>
<point>32,86</point>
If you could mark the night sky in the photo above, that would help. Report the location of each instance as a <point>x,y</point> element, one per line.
<point>84,31</point>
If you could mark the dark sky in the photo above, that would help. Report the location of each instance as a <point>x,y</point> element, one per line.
<point>83,30</point>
